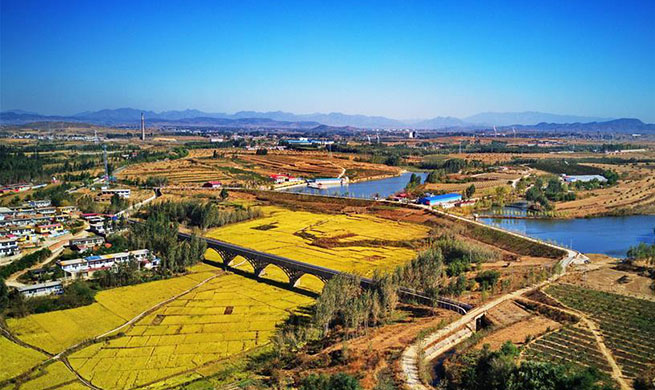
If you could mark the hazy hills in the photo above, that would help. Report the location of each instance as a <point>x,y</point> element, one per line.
<point>280,119</point>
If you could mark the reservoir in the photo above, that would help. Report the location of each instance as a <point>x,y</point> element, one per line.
<point>612,236</point>
<point>364,189</point>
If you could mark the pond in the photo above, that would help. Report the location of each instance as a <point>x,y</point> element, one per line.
<point>364,189</point>
<point>612,236</point>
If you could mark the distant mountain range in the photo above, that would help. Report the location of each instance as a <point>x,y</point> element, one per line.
<point>280,119</point>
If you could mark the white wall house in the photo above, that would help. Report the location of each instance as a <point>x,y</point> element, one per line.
<point>85,267</point>
<point>8,246</point>
<point>41,289</point>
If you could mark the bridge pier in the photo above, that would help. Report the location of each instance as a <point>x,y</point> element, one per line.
<point>226,256</point>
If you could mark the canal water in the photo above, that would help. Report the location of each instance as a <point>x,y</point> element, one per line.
<point>612,236</point>
<point>364,189</point>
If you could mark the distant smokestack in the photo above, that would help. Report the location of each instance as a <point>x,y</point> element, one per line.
<point>143,128</point>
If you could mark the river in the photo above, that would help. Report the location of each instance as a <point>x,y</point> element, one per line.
<point>363,189</point>
<point>608,235</point>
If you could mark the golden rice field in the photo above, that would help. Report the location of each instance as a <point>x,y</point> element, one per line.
<point>58,330</point>
<point>226,316</point>
<point>291,233</point>
<point>16,359</point>
<point>53,376</point>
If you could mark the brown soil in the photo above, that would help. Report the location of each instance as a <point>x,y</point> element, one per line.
<point>379,348</point>
<point>518,332</point>
<point>635,190</point>
<point>506,314</point>
<point>607,279</point>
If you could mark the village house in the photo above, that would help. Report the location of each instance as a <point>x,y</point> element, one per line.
<point>86,243</point>
<point>87,266</point>
<point>9,246</point>
<point>41,289</point>
<point>212,184</point>
<point>122,192</point>
<point>51,229</point>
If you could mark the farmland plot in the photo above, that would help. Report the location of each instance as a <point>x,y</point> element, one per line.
<point>227,316</point>
<point>571,344</point>
<point>627,324</point>
<point>358,244</point>
<point>15,359</point>
<point>52,376</point>
<point>113,308</point>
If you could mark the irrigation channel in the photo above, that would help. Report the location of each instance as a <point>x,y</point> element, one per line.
<point>612,236</point>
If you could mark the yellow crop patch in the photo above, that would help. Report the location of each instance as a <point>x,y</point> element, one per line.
<point>351,243</point>
<point>55,375</point>
<point>226,316</point>
<point>16,359</point>
<point>58,330</point>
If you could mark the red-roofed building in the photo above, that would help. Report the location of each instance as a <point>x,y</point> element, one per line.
<point>212,184</point>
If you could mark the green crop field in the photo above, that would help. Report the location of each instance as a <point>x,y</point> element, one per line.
<point>627,324</point>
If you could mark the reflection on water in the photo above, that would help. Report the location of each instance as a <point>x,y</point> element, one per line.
<point>609,235</point>
<point>365,189</point>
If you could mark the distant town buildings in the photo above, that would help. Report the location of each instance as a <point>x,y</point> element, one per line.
<point>38,203</point>
<point>308,142</point>
<point>52,229</point>
<point>22,226</point>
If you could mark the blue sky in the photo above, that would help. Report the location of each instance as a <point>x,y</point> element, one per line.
<point>404,59</point>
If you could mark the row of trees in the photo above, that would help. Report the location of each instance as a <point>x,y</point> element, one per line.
<point>642,252</point>
<point>13,304</point>
<point>204,215</point>
<point>344,302</point>
<point>159,234</point>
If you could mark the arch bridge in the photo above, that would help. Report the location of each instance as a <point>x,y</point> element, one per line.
<point>295,269</point>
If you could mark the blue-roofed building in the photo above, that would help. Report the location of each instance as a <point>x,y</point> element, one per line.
<point>444,200</point>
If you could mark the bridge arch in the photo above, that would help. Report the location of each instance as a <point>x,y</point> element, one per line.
<point>310,282</point>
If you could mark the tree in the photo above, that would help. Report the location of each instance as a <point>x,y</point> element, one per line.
<point>261,152</point>
<point>4,294</point>
<point>414,181</point>
<point>435,176</point>
<point>340,381</point>
<point>224,194</point>
<point>470,190</point>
